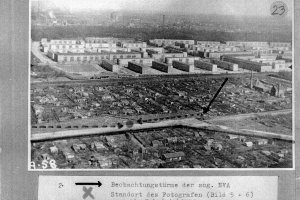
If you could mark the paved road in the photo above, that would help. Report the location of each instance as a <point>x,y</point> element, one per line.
<point>36,51</point>
<point>190,122</point>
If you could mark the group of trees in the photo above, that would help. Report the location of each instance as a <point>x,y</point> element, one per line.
<point>146,33</point>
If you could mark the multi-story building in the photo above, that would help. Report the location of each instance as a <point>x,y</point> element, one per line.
<point>100,40</point>
<point>133,45</point>
<point>249,65</point>
<point>225,65</point>
<point>163,56</point>
<point>221,53</point>
<point>109,65</point>
<point>78,46</point>
<point>66,42</point>
<point>51,54</point>
<point>247,43</point>
<point>136,67</point>
<point>64,48</point>
<point>100,45</point>
<point>44,41</point>
<point>163,67</point>
<point>208,43</point>
<point>277,65</point>
<point>144,61</point>
<point>92,57</point>
<point>262,51</point>
<point>281,44</point>
<point>183,66</point>
<point>167,42</point>
<point>206,65</point>
<point>154,49</point>
<point>189,60</point>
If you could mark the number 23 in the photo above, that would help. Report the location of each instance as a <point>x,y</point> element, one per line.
<point>278,9</point>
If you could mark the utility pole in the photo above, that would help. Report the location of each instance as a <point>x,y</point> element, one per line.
<point>251,79</point>
<point>164,21</point>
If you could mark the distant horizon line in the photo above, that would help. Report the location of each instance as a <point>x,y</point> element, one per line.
<point>168,13</point>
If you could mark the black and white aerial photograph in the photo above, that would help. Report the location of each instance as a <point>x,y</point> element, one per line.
<point>161,84</point>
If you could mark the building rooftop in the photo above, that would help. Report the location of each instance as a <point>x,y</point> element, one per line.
<point>135,63</point>
<point>248,61</point>
<point>162,63</point>
<point>174,155</point>
<point>242,53</point>
<point>67,39</point>
<point>95,53</point>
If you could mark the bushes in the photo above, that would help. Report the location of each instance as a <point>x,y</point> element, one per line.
<point>41,69</point>
<point>285,75</point>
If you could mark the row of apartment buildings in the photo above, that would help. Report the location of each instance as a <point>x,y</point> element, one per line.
<point>91,57</point>
<point>96,50</point>
<point>89,44</point>
<point>167,42</point>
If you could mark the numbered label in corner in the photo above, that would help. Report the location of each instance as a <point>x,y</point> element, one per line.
<point>279,9</point>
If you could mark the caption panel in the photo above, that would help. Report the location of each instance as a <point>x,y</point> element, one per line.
<point>157,188</point>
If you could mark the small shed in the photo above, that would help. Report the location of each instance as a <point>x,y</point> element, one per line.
<point>68,155</point>
<point>261,141</point>
<point>156,143</point>
<point>231,137</point>
<point>54,150</point>
<point>249,144</point>
<point>176,156</point>
<point>267,153</point>
<point>79,147</point>
<point>98,146</point>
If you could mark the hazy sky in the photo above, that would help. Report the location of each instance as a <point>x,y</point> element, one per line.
<point>228,7</point>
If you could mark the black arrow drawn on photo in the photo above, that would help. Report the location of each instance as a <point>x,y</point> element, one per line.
<point>206,109</point>
<point>98,183</point>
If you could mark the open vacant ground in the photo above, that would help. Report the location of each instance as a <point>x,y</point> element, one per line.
<point>281,123</point>
<point>78,68</point>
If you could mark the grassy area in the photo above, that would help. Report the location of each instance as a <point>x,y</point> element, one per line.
<point>46,72</point>
<point>281,124</point>
<point>285,121</point>
<point>284,75</point>
<point>78,68</point>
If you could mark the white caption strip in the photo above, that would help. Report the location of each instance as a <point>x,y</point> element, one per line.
<point>157,188</point>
